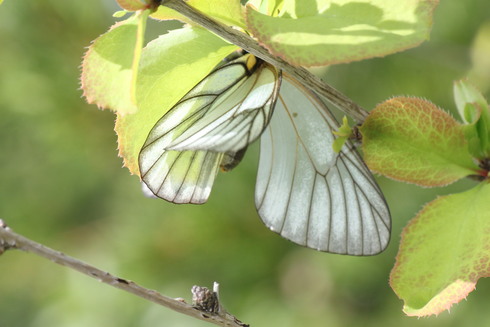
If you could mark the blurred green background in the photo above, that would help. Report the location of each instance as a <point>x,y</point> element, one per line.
<point>61,183</point>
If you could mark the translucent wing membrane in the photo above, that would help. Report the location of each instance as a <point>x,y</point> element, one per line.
<point>182,176</point>
<point>305,191</point>
<point>308,193</point>
<point>224,113</point>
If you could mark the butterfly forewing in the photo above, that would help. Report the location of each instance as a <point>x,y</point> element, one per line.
<point>224,113</point>
<point>308,193</point>
<point>234,119</point>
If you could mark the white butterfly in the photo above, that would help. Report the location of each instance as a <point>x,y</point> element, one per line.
<point>305,191</point>
<point>218,118</point>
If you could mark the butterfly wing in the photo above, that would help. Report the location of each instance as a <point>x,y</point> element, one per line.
<point>224,113</point>
<point>308,193</point>
<point>181,176</point>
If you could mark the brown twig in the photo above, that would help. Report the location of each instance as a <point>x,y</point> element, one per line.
<point>12,240</point>
<point>244,41</point>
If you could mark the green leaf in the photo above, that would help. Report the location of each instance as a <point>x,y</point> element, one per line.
<point>465,93</point>
<point>443,252</point>
<point>109,68</point>
<point>412,140</point>
<point>324,32</point>
<point>170,66</point>
<point>120,14</point>
<point>224,11</point>
<point>268,7</point>
<point>133,5</point>
<point>165,13</point>
<point>473,108</point>
<point>343,133</point>
<point>479,73</point>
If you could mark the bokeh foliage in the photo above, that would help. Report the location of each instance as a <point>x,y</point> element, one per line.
<point>61,183</point>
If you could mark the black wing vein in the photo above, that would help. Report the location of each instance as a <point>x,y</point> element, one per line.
<point>309,194</point>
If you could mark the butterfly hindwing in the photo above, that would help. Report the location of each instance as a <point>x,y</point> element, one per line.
<point>308,193</point>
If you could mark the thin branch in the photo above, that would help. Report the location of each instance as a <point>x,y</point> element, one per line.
<point>242,40</point>
<point>11,240</point>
